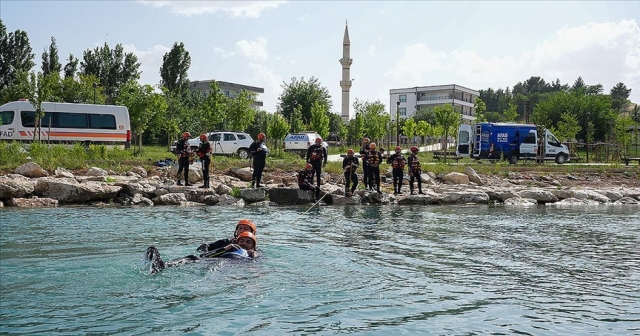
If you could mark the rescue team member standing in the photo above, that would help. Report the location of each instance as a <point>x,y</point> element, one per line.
<point>305,178</point>
<point>397,162</point>
<point>364,150</point>
<point>374,158</point>
<point>415,170</point>
<point>317,156</point>
<point>204,152</point>
<point>258,151</point>
<point>184,155</point>
<point>350,166</point>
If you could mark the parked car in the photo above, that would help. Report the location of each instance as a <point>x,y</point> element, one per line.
<point>299,142</point>
<point>223,143</point>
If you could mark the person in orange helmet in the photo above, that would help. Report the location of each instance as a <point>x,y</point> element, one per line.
<point>374,159</point>
<point>204,152</point>
<point>184,154</point>
<point>317,157</point>
<point>415,170</point>
<point>258,151</point>
<point>365,166</point>
<point>305,178</point>
<point>243,225</point>
<point>397,162</point>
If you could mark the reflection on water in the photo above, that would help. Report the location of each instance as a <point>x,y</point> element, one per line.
<point>374,270</point>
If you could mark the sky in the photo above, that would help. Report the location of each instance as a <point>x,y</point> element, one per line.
<point>394,44</point>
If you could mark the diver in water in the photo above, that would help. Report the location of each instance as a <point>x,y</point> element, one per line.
<point>244,248</point>
<point>244,225</point>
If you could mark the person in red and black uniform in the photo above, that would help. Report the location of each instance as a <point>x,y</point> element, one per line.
<point>184,155</point>
<point>305,178</point>
<point>364,150</point>
<point>374,158</point>
<point>415,170</point>
<point>350,166</point>
<point>397,162</point>
<point>258,151</point>
<point>317,157</point>
<point>204,152</point>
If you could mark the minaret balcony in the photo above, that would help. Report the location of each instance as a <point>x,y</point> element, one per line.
<point>346,61</point>
<point>346,83</point>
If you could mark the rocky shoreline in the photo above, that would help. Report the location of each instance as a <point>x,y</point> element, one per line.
<point>32,186</point>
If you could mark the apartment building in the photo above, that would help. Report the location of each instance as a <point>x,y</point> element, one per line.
<point>228,89</point>
<point>405,102</point>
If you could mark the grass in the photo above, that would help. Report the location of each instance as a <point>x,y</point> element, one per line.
<point>79,157</point>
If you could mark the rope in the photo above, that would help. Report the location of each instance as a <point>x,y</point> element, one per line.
<point>319,200</point>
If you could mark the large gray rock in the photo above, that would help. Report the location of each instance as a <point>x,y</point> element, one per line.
<point>15,185</point>
<point>540,195</point>
<point>170,199</point>
<point>290,196</point>
<point>461,197</point>
<point>473,176</point>
<point>68,190</point>
<point>245,174</point>
<point>33,202</point>
<point>61,172</point>
<point>31,169</point>
<point>342,200</point>
<point>146,190</point>
<point>428,198</point>
<point>253,195</point>
<point>95,171</point>
<point>195,173</point>
<point>519,201</point>
<point>456,178</point>
<point>230,200</point>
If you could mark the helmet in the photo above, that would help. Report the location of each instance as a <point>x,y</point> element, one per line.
<point>308,166</point>
<point>366,139</point>
<point>398,148</point>
<point>414,149</point>
<point>260,136</point>
<point>248,222</point>
<point>350,151</point>
<point>186,134</point>
<point>203,137</point>
<point>318,140</point>
<point>372,145</point>
<point>249,235</point>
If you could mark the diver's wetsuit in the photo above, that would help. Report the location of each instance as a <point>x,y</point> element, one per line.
<point>152,256</point>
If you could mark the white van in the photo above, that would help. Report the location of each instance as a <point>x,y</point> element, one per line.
<point>66,123</point>
<point>299,142</point>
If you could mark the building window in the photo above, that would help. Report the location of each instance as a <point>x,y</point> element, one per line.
<point>402,98</point>
<point>226,93</point>
<point>402,111</point>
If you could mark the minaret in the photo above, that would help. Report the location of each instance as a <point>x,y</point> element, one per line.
<point>345,83</point>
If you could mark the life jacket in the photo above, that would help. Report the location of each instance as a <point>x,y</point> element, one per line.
<point>183,148</point>
<point>415,163</point>
<point>317,153</point>
<point>374,158</point>
<point>364,149</point>
<point>351,160</point>
<point>305,177</point>
<point>204,149</point>
<point>398,162</point>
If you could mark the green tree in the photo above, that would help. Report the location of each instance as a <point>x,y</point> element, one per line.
<point>448,119</point>
<point>373,115</point>
<point>426,114</point>
<point>240,114</point>
<point>214,108</point>
<point>71,68</point>
<point>511,113</point>
<point>40,89</point>
<point>18,89</point>
<point>81,90</point>
<point>356,129</point>
<point>113,67</point>
<point>15,55</point>
<point>409,129</point>
<point>259,124</point>
<point>50,59</point>
<point>568,127</point>
<point>175,65</point>
<point>143,103</point>
<point>319,120</point>
<point>481,109</point>
<point>622,132</point>
<point>302,94</point>
<point>619,95</point>
<point>295,120</point>
<point>277,128</point>
<point>423,129</point>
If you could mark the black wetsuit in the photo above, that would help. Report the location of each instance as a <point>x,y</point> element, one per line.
<point>259,162</point>
<point>350,174</point>
<point>414,172</point>
<point>397,162</point>
<point>305,180</point>
<point>365,165</point>
<point>204,152</point>
<point>374,158</point>
<point>184,150</point>
<point>317,156</point>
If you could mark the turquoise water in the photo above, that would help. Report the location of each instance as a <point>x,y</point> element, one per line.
<point>468,270</point>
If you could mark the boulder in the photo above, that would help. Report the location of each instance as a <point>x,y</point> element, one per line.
<point>31,169</point>
<point>170,199</point>
<point>15,185</point>
<point>519,201</point>
<point>140,171</point>
<point>223,189</point>
<point>575,201</point>
<point>290,196</point>
<point>473,176</point>
<point>244,174</point>
<point>68,190</point>
<point>342,200</point>
<point>95,171</point>
<point>33,202</point>
<point>195,173</point>
<point>461,197</point>
<point>146,190</point>
<point>456,178</point>
<point>253,195</point>
<point>541,196</point>
<point>627,200</point>
<point>230,200</point>
<point>61,172</point>
<point>428,198</point>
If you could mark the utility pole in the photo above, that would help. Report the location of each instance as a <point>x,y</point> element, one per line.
<point>398,123</point>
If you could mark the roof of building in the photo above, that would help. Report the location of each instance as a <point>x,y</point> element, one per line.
<point>442,87</point>
<point>229,85</point>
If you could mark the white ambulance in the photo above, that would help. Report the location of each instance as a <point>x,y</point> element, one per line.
<point>65,123</point>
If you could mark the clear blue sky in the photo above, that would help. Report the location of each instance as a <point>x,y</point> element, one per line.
<point>393,44</point>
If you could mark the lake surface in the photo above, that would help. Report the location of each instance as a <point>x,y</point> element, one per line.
<point>374,270</point>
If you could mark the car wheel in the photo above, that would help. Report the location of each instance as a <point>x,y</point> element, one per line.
<point>243,153</point>
<point>561,158</point>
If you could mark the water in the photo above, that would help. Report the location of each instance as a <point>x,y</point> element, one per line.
<point>469,270</point>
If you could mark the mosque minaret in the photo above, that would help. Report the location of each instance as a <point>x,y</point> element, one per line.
<point>345,83</point>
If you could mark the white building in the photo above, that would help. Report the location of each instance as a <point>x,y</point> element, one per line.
<point>228,89</point>
<point>405,102</point>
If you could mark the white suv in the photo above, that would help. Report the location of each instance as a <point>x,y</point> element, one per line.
<point>224,143</point>
<point>299,142</point>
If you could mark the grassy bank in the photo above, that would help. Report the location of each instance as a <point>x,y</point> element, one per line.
<point>79,157</point>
